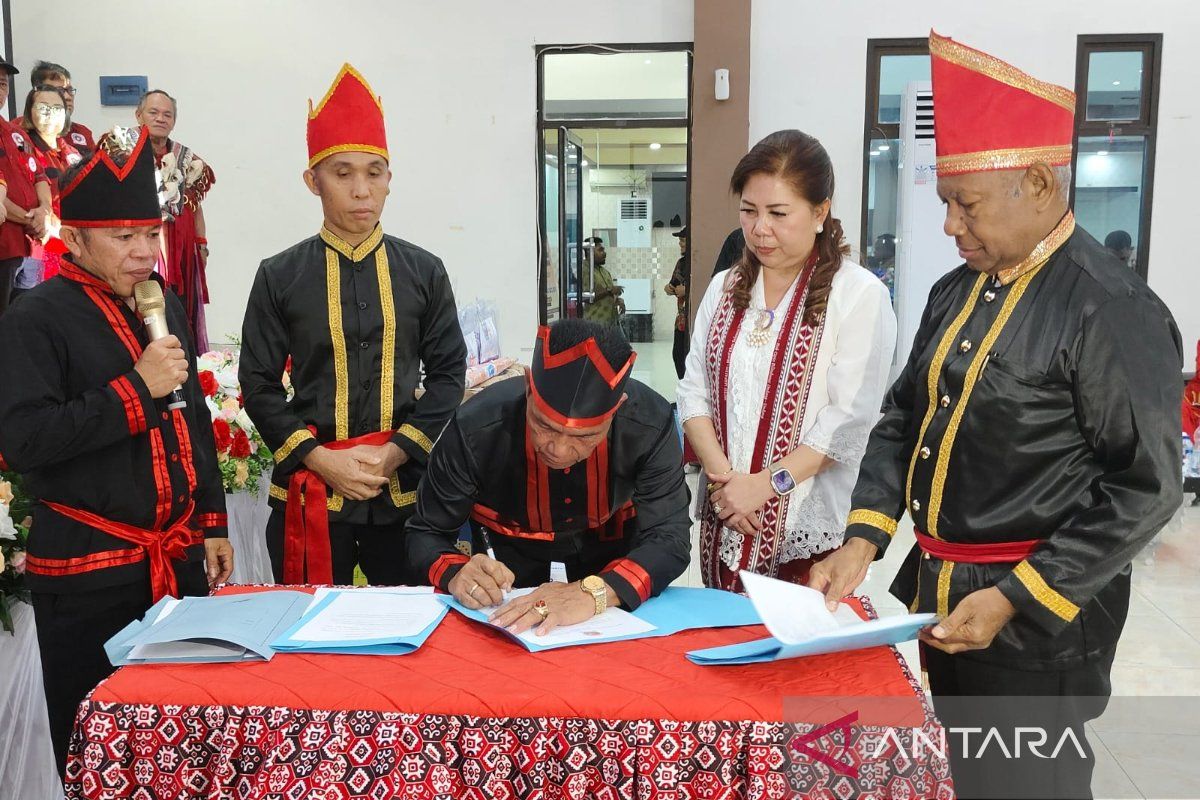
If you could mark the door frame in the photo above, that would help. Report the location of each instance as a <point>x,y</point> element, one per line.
<point>542,124</point>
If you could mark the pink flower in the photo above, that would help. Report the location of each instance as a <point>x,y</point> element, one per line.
<point>17,561</point>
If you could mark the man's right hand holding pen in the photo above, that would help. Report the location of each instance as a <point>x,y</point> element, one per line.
<point>481,582</point>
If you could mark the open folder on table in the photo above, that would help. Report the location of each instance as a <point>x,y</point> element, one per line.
<point>675,609</point>
<point>385,620</point>
<point>801,625</point>
<point>236,627</point>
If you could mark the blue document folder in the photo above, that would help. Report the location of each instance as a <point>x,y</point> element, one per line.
<point>890,630</point>
<point>235,627</point>
<point>288,641</point>
<point>676,609</point>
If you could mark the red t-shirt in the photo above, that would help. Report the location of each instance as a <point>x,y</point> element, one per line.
<point>21,169</point>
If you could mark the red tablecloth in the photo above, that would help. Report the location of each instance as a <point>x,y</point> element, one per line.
<point>471,714</point>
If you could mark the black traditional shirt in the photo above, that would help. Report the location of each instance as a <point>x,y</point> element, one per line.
<point>1040,404</point>
<point>358,323</point>
<point>621,514</point>
<point>80,426</point>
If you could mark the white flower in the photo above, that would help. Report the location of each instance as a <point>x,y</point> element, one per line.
<point>227,378</point>
<point>211,361</point>
<point>214,410</point>
<point>7,529</point>
<point>243,421</point>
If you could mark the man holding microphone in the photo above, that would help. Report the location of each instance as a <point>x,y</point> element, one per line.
<point>131,505</point>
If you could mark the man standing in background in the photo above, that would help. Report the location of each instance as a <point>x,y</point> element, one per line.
<point>678,287</point>
<point>184,181</point>
<point>607,305</point>
<point>358,313</point>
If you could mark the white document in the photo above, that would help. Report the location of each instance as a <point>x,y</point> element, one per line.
<point>558,572</point>
<point>791,612</point>
<point>355,614</point>
<point>613,622</point>
<point>321,593</point>
<point>796,614</point>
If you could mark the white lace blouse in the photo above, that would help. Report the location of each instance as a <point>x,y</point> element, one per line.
<point>848,383</point>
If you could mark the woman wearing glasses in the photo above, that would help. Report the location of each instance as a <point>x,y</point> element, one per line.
<point>46,119</point>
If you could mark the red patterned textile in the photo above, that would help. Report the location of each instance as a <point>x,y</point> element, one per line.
<point>471,715</point>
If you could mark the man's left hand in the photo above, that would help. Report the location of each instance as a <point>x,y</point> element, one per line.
<point>566,604</point>
<point>973,623</point>
<point>390,456</point>
<point>218,559</point>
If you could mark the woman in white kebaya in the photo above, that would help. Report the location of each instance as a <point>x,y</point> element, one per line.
<point>788,366</point>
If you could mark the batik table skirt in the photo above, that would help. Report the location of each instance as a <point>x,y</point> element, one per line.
<point>472,715</point>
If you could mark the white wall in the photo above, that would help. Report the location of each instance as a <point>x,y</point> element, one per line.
<point>808,71</point>
<point>458,85</point>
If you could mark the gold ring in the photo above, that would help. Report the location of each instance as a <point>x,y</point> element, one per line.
<point>472,591</point>
<point>717,508</point>
<point>540,608</point>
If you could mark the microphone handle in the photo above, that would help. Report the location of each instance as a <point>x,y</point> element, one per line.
<point>156,326</point>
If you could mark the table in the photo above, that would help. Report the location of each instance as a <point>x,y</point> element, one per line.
<point>473,715</point>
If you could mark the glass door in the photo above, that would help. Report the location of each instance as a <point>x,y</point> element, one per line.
<point>562,222</point>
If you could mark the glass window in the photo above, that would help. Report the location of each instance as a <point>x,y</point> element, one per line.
<point>883,171</point>
<point>1109,180</point>
<point>615,86</point>
<point>1114,85</point>
<point>896,72</point>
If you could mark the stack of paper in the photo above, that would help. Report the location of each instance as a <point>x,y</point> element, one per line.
<point>377,620</point>
<point>801,625</point>
<point>237,627</point>
<point>676,609</point>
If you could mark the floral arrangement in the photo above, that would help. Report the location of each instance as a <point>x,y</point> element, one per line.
<point>13,537</point>
<point>241,453</point>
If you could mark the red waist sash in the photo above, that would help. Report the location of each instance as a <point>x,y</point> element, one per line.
<point>306,521</point>
<point>161,546</point>
<point>989,553</point>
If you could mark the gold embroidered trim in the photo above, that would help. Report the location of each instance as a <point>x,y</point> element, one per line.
<point>388,366</point>
<point>345,71</point>
<point>355,254</point>
<point>941,471</point>
<point>916,601</point>
<point>873,518</point>
<point>1058,605</point>
<point>332,503</point>
<point>1045,248</point>
<point>348,148</point>
<point>415,434</point>
<point>341,370</point>
<point>400,499</point>
<point>985,64</point>
<point>1013,158</point>
<point>935,370</point>
<point>943,592</point>
<point>291,444</point>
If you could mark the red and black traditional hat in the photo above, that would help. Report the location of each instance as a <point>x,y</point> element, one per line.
<point>349,118</point>
<point>990,115</point>
<point>577,388</point>
<point>104,195</point>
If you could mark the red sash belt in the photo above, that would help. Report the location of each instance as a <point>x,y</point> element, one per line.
<point>306,521</point>
<point>989,553</point>
<point>161,546</point>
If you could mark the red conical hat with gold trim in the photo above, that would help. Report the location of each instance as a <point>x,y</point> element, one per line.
<point>990,115</point>
<point>349,118</point>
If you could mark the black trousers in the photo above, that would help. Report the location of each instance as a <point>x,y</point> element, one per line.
<point>973,697</point>
<point>8,271</point>
<point>72,628</point>
<point>378,549</point>
<point>679,351</point>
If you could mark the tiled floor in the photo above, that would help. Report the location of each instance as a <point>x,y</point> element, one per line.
<point>1139,754</point>
<point>655,368</point>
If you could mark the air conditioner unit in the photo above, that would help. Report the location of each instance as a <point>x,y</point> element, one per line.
<point>633,227</point>
<point>923,252</point>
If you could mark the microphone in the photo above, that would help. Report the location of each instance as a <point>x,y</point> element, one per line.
<point>153,307</point>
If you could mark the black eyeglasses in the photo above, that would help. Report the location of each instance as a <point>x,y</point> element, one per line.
<point>71,90</point>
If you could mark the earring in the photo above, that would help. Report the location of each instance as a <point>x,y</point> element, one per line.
<point>820,228</point>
